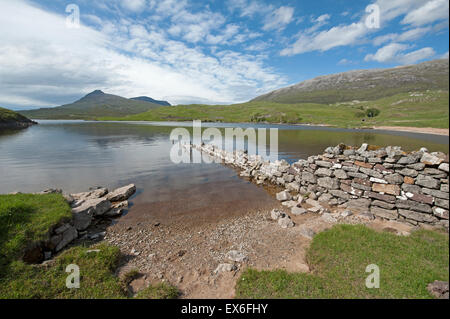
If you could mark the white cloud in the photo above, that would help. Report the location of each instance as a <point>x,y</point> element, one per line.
<point>326,40</point>
<point>409,35</point>
<point>394,53</point>
<point>445,55</point>
<point>430,12</point>
<point>279,19</point>
<point>133,5</point>
<point>43,63</point>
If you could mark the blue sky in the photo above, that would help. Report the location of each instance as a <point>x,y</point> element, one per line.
<point>188,51</point>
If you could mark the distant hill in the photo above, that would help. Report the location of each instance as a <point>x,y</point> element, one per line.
<point>94,105</point>
<point>12,120</point>
<point>365,85</point>
<point>150,100</point>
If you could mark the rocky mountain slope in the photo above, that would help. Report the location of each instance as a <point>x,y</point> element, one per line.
<point>150,100</point>
<point>366,85</point>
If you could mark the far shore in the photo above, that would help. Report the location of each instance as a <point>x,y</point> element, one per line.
<point>423,130</point>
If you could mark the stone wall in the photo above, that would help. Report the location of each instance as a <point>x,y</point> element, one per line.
<point>387,183</point>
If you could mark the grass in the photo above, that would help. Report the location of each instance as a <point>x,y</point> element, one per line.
<point>8,116</point>
<point>339,257</point>
<point>27,218</point>
<point>428,109</point>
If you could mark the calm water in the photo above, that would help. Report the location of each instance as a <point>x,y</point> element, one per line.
<point>74,156</point>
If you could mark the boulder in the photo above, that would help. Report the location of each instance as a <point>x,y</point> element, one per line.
<point>82,221</point>
<point>122,193</point>
<point>298,211</point>
<point>283,196</point>
<point>430,159</point>
<point>286,222</point>
<point>93,207</point>
<point>275,214</point>
<point>427,181</point>
<point>67,237</point>
<point>225,268</point>
<point>439,289</point>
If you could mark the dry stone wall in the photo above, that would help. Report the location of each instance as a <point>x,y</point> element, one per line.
<point>387,183</point>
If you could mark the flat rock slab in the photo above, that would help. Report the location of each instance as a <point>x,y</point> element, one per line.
<point>122,193</point>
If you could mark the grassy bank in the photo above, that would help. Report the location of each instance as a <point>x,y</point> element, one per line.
<point>339,257</point>
<point>27,218</point>
<point>424,109</point>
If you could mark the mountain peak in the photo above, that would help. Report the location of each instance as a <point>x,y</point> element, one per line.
<point>96,92</point>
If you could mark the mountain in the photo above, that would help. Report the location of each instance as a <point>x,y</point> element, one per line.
<point>94,105</point>
<point>150,100</point>
<point>366,85</point>
<point>12,120</point>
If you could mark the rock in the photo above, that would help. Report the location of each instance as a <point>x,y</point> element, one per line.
<point>346,213</point>
<point>441,203</point>
<point>382,204</point>
<point>340,194</point>
<point>62,229</point>
<point>323,172</point>
<point>386,189</point>
<point>122,193</point>
<point>427,181</point>
<point>440,212</point>
<point>429,159</point>
<point>412,188</point>
<point>328,183</point>
<point>384,213</point>
<point>286,222</point>
<point>363,148</point>
<point>309,177</point>
<point>236,256</point>
<point>225,268</point>
<point>284,196</point>
<point>94,207</point>
<point>410,159</point>
<point>383,197</point>
<point>289,203</point>
<point>298,211</point>
<point>275,214</point>
<point>444,167</point>
<point>362,184</point>
<point>408,172</point>
<point>69,199</point>
<point>115,212</point>
<point>67,237</point>
<point>324,164</point>
<point>378,180</point>
<point>435,193</point>
<point>394,178</point>
<point>409,180</point>
<point>366,216</point>
<point>325,198</point>
<point>409,214</point>
<point>341,174</point>
<point>439,289</point>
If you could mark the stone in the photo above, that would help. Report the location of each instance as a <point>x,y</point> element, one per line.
<point>417,166</point>
<point>441,202</point>
<point>67,237</point>
<point>366,216</point>
<point>394,179</point>
<point>293,186</point>
<point>382,197</point>
<point>323,172</point>
<point>363,164</point>
<point>439,289</point>
<point>362,184</point>
<point>440,212</point>
<point>324,164</point>
<point>435,193</point>
<point>409,180</point>
<point>444,188</point>
<point>371,172</point>
<point>420,198</point>
<point>351,190</point>
<point>408,172</point>
<point>427,181</point>
<point>275,214</point>
<point>93,207</point>
<point>225,268</point>
<point>358,205</point>
<point>237,256</point>
<point>387,189</point>
<point>328,183</point>
<point>384,213</point>
<point>429,159</point>
<point>444,167</point>
<point>289,178</point>
<point>81,221</point>
<point>358,175</point>
<point>283,196</point>
<point>325,198</point>
<point>410,159</point>
<point>420,217</point>
<point>341,174</point>
<point>286,222</point>
<point>378,180</point>
<point>309,177</point>
<point>412,188</point>
<point>122,193</point>
<point>289,203</point>
<point>383,169</point>
<point>115,212</point>
<point>363,148</point>
<point>346,213</point>
<point>340,194</point>
<point>384,205</point>
<point>298,211</point>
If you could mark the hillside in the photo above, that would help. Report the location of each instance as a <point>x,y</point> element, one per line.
<point>92,106</point>
<point>415,109</point>
<point>12,120</point>
<point>365,85</point>
<point>150,100</point>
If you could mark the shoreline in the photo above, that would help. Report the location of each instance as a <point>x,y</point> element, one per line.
<point>421,130</point>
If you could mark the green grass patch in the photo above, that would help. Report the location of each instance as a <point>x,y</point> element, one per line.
<point>421,109</point>
<point>339,257</point>
<point>26,218</point>
<point>158,291</point>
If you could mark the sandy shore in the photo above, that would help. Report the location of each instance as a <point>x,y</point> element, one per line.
<point>423,130</point>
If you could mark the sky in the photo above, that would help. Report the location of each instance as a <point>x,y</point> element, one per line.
<point>211,52</point>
